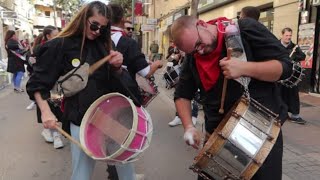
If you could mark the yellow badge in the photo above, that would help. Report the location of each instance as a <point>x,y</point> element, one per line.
<point>75,62</point>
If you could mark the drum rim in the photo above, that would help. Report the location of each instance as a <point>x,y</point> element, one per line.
<point>130,137</point>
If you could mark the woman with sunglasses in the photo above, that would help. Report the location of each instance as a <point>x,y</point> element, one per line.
<point>85,39</point>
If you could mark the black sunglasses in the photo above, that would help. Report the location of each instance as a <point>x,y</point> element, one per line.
<point>95,27</point>
<point>130,29</point>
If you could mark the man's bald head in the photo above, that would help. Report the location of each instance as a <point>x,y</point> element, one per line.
<point>180,25</point>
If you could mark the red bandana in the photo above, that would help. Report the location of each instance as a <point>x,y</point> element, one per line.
<point>208,65</point>
<point>116,30</point>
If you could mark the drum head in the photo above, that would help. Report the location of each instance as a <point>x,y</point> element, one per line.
<point>107,125</point>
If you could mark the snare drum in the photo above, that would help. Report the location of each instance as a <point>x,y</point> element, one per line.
<point>171,76</point>
<point>113,129</point>
<point>148,89</point>
<point>296,76</point>
<point>240,144</point>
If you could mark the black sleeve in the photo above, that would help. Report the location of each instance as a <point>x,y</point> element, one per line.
<point>47,69</point>
<point>298,55</point>
<point>136,60</point>
<point>186,87</point>
<point>264,45</point>
<point>13,45</point>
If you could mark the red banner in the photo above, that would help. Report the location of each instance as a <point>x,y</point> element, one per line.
<point>138,10</point>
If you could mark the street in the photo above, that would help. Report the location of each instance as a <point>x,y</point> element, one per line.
<point>25,155</point>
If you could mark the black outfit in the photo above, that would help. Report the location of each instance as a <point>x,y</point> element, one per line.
<point>55,59</point>
<point>260,45</point>
<point>133,58</point>
<point>291,95</point>
<point>15,64</point>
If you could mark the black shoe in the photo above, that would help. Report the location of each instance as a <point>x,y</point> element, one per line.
<point>298,120</point>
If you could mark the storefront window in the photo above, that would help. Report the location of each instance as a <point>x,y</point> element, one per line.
<point>266,18</point>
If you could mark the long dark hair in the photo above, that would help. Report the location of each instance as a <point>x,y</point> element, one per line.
<point>78,24</point>
<point>8,36</point>
<point>47,31</point>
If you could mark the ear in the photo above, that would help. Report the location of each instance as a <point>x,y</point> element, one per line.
<point>202,23</point>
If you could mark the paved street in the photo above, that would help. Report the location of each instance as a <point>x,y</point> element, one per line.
<point>25,155</point>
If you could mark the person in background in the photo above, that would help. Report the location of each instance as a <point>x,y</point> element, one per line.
<point>15,62</point>
<point>129,29</point>
<point>250,12</point>
<point>291,95</point>
<point>154,49</point>
<point>87,39</point>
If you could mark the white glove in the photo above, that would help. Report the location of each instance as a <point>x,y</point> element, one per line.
<point>192,137</point>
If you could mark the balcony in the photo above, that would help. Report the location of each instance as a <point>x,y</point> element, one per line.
<point>46,3</point>
<point>45,21</point>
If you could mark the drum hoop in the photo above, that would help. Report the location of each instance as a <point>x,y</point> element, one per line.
<point>130,136</point>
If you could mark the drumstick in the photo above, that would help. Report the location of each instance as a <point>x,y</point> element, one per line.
<point>98,64</point>
<point>72,140</point>
<point>293,50</point>
<point>225,84</point>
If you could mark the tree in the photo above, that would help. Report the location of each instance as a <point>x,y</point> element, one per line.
<point>126,4</point>
<point>194,8</point>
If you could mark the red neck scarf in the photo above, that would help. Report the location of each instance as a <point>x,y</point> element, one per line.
<point>208,65</point>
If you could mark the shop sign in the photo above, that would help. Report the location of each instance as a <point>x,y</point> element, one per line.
<point>147,28</point>
<point>152,21</point>
<point>316,3</point>
<point>305,42</point>
<point>8,14</point>
<point>169,20</point>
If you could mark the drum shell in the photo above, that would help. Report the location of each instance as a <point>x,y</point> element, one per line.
<point>221,148</point>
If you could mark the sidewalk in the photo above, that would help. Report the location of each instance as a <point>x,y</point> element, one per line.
<point>301,153</point>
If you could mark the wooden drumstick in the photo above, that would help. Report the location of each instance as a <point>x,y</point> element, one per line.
<point>293,50</point>
<point>225,84</point>
<point>98,64</point>
<point>72,140</point>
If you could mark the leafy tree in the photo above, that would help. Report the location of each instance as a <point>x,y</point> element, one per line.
<point>126,4</point>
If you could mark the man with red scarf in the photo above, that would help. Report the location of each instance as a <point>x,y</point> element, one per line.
<point>206,66</point>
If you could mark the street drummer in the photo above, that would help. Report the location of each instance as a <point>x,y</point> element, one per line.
<point>133,58</point>
<point>291,95</point>
<point>206,66</point>
<point>87,39</point>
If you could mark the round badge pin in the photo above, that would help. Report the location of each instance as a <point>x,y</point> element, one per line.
<point>75,62</point>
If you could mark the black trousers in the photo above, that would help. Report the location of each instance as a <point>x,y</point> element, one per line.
<point>272,166</point>
<point>291,97</point>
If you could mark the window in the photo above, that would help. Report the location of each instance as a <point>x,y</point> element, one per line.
<point>47,13</point>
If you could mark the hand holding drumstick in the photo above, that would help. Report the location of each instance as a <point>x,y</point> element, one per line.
<point>225,83</point>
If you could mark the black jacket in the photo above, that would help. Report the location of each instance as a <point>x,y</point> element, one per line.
<point>55,59</point>
<point>15,64</point>
<point>260,45</point>
<point>298,55</point>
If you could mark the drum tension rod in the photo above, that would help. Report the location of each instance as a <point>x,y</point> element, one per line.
<point>199,172</point>
<point>234,113</point>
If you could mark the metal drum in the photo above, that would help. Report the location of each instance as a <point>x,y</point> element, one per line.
<point>296,76</point>
<point>240,144</point>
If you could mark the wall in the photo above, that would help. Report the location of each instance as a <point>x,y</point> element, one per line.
<point>285,13</point>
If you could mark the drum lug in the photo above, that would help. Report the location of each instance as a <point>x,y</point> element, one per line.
<point>221,135</point>
<point>236,114</point>
<point>256,162</point>
<point>206,153</point>
<point>198,171</point>
<point>277,123</point>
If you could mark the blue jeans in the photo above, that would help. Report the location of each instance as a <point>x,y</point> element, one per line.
<point>17,77</point>
<point>83,165</point>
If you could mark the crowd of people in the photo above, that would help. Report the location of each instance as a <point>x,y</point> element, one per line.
<point>197,55</point>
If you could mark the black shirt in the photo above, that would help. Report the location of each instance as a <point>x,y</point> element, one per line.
<point>133,58</point>
<point>260,45</point>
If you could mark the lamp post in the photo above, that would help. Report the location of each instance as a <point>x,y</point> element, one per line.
<point>132,16</point>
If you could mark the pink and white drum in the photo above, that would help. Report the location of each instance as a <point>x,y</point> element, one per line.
<point>148,89</point>
<point>114,130</point>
